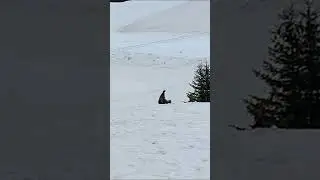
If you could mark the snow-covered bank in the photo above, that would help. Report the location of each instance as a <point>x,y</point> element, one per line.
<point>151,141</point>
<point>185,42</point>
<point>190,16</point>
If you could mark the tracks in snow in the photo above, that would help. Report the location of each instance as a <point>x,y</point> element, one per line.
<point>160,139</point>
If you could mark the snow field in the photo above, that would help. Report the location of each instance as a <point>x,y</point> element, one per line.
<point>148,140</point>
<point>157,141</point>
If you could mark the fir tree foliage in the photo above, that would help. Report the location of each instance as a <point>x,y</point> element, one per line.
<point>200,84</point>
<point>292,72</point>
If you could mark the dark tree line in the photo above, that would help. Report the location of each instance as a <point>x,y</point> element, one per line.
<point>291,71</point>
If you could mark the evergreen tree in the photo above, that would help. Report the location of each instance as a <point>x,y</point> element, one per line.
<point>200,84</point>
<point>311,56</point>
<point>291,71</point>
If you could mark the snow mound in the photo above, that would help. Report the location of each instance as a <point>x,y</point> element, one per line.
<point>191,16</point>
<point>125,13</point>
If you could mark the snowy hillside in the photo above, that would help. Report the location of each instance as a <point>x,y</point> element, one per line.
<point>148,140</point>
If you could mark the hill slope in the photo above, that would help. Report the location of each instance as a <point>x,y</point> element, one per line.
<point>151,141</point>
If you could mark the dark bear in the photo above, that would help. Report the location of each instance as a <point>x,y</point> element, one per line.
<point>162,98</point>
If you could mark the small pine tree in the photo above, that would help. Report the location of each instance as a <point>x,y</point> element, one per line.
<point>200,84</point>
<point>292,71</point>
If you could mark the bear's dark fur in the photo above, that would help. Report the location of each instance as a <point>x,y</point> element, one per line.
<point>162,98</point>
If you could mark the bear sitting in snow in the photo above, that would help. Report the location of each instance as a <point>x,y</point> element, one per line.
<point>162,98</point>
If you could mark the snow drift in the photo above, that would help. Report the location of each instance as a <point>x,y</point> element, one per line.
<point>191,16</point>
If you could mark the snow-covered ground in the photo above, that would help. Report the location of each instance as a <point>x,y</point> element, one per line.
<point>151,141</point>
